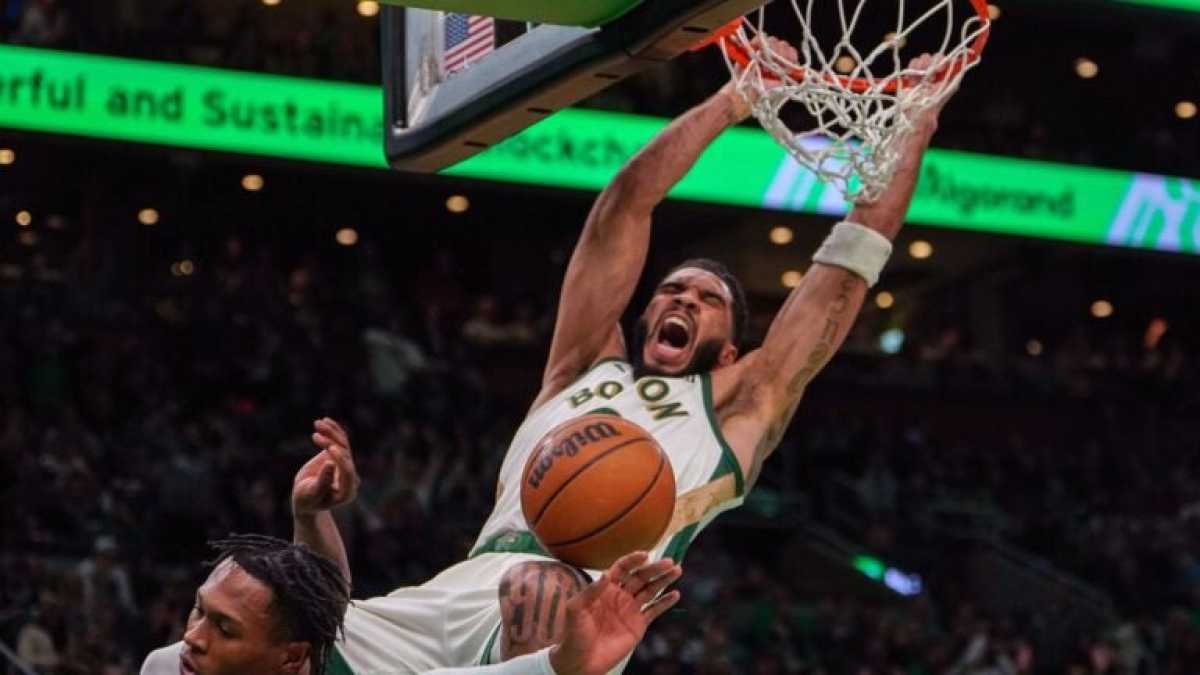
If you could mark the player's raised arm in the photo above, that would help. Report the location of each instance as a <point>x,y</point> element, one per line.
<point>325,482</point>
<point>818,314</point>
<point>611,252</point>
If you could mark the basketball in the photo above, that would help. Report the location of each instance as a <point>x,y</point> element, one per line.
<point>595,488</point>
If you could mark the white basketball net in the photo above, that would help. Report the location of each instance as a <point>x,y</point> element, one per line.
<point>861,117</point>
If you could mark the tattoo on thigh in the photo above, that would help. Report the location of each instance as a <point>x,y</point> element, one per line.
<point>553,613</point>
<point>517,620</point>
<point>530,598</point>
<point>537,603</point>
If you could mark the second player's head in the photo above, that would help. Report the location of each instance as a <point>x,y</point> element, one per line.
<point>269,606</point>
<point>694,322</point>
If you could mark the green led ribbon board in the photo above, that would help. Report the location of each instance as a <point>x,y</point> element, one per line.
<point>1190,5</point>
<point>190,106</point>
<point>314,120</point>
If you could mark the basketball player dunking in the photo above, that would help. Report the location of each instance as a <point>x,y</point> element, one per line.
<point>718,413</point>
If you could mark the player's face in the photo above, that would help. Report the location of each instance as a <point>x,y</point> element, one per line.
<point>231,630</point>
<point>688,324</point>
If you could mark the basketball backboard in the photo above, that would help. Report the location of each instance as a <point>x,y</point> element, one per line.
<point>440,113</point>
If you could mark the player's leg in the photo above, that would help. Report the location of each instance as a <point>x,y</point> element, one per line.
<point>533,600</point>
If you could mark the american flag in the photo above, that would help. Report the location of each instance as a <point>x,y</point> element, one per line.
<point>468,39</point>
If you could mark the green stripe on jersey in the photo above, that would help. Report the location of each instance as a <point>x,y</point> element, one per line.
<point>512,542</point>
<point>678,545</point>
<point>336,664</point>
<point>729,462</point>
<point>486,658</point>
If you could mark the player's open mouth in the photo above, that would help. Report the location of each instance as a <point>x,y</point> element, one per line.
<point>672,339</point>
<point>185,666</point>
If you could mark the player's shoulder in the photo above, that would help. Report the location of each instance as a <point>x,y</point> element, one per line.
<point>164,661</point>
<point>607,368</point>
<point>617,362</point>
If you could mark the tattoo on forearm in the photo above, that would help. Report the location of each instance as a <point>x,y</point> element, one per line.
<point>835,320</point>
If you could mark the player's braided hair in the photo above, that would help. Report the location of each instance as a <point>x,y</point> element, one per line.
<point>741,313</point>
<point>310,593</point>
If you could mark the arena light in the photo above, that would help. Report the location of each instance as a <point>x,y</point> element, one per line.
<point>252,182</point>
<point>903,583</point>
<point>891,341</point>
<point>368,8</point>
<point>781,235</point>
<point>994,12</point>
<point>24,218</point>
<point>1086,68</point>
<point>187,268</point>
<point>870,566</point>
<point>1155,332</point>
<point>7,156</point>
<point>1033,347</point>
<point>791,278</point>
<point>1102,309</point>
<point>148,216</point>
<point>347,236</point>
<point>1185,110</point>
<point>844,64</point>
<point>271,3</point>
<point>884,300</point>
<point>920,249</point>
<point>457,204</point>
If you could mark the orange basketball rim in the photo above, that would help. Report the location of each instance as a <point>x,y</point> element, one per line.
<point>730,40</point>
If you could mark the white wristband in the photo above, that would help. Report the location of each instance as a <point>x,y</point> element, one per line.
<point>856,248</point>
<point>530,664</point>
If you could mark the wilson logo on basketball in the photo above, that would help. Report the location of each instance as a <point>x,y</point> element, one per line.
<point>570,447</point>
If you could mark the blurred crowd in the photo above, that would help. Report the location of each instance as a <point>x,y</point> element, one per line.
<point>137,427</point>
<point>140,417</point>
<point>318,39</point>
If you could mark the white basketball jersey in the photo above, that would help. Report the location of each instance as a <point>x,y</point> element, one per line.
<point>677,411</point>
